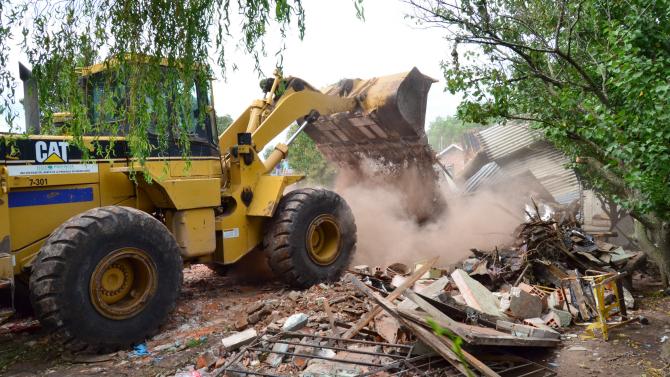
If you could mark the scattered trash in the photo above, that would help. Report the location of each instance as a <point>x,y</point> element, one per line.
<point>196,342</point>
<point>140,350</point>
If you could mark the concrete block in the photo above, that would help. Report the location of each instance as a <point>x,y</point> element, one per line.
<point>529,330</point>
<point>362,268</point>
<point>431,291</point>
<point>276,358</point>
<point>475,294</point>
<point>523,304</point>
<point>322,368</point>
<point>239,339</point>
<point>556,299</point>
<point>543,295</point>
<point>561,317</point>
<point>295,322</point>
<point>541,326</point>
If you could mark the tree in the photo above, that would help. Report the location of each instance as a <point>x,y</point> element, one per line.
<point>592,74</point>
<point>158,50</point>
<point>222,122</point>
<point>443,132</point>
<point>304,157</point>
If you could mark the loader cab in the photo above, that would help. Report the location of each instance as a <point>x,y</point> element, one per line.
<point>168,107</point>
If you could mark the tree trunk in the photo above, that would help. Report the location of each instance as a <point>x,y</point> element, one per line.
<point>656,244</point>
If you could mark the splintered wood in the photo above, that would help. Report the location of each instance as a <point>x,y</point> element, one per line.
<point>392,296</point>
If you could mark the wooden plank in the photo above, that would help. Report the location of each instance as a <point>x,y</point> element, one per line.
<point>576,288</point>
<point>331,319</point>
<point>431,310</point>
<point>392,296</point>
<point>483,336</point>
<point>440,344</point>
<point>472,360</point>
<point>434,342</point>
<point>425,335</point>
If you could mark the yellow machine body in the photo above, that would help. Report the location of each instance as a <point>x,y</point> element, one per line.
<point>216,207</point>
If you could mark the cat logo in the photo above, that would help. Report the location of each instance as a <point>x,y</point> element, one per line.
<point>51,152</point>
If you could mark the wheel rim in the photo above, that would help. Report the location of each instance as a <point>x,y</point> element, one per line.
<point>122,283</point>
<point>323,239</point>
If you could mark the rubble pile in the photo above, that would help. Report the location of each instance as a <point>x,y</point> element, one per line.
<point>423,319</point>
<point>553,259</point>
<point>370,323</point>
<point>547,243</point>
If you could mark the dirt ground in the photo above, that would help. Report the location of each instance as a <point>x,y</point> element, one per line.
<point>212,306</point>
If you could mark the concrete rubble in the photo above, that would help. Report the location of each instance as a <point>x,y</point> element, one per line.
<point>521,295</point>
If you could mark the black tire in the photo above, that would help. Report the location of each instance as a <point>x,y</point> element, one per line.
<point>60,287</point>
<point>286,237</point>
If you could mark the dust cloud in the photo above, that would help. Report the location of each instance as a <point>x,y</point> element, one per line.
<point>388,233</point>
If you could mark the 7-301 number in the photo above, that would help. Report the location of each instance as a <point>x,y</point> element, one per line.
<point>37,181</point>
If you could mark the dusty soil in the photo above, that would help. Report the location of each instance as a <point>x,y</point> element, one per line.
<point>212,306</point>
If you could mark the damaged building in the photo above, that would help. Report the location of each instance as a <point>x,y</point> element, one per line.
<point>514,157</point>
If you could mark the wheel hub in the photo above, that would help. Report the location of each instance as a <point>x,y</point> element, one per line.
<point>122,283</point>
<point>116,281</point>
<point>323,239</point>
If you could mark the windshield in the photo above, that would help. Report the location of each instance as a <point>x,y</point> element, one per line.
<point>194,117</point>
<point>180,108</point>
<point>107,99</point>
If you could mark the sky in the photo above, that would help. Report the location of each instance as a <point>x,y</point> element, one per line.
<point>338,45</point>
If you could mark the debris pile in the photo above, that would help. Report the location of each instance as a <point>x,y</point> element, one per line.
<point>548,241</point>
<point>370,323</point>
<point>423,319</point>
<point>554,272</point>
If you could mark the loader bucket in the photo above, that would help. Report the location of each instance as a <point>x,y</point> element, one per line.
<point>388,129</point>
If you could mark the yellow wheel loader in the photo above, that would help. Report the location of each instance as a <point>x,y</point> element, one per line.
<point>100,242</point>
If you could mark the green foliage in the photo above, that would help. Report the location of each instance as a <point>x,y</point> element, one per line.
<point>443,132</point>
<point>360,10</point>
<point>303,157</point>
<point>456,340</point>
<point>222,122</point>
<point>267,151</point>
<point>592,74</point>
<point>64,36</point>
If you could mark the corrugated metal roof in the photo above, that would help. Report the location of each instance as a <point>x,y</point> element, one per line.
<point>540,158</point>
<point>548,165</point>
<point>485,175</point>
<point>470,141</point>
<point>503,140</point>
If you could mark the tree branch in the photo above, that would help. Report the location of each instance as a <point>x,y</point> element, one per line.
<point>591,83</point>
<point>618,187</point>
<point>559,24</point>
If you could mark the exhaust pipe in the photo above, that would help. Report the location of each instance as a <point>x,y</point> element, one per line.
<point>31,103</point>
